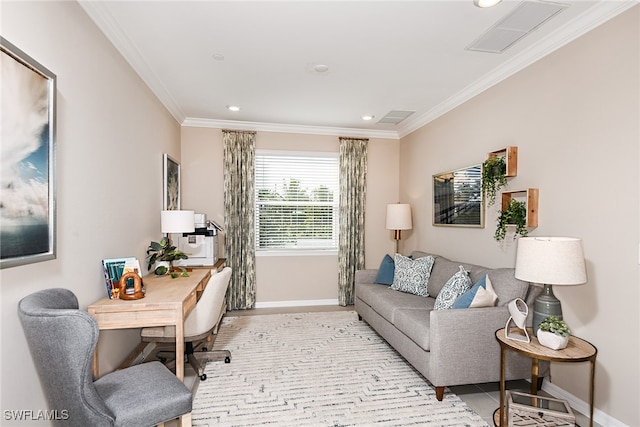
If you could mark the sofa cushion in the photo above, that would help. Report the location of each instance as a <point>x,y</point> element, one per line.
<point>457,285</point>
<point>414,323</point>
<point>507,286</point>
<point>481,294</point>
<point>385,271</point>
<point>386,302</point>
<point>412,276</point>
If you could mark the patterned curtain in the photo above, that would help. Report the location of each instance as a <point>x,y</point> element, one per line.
<point>239,158</point>
<point>353,177</point>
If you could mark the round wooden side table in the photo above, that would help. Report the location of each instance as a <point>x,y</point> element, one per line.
<point>578,350</point>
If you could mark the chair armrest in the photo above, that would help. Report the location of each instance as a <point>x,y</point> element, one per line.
<point>463,341</point>
<point>366,276</point>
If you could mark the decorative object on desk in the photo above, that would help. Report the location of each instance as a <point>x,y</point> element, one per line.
<point>519,312</point>
<point>553,333</point>
<point>550,261</point>
<point>515,214</point>
<point>114,269</point>
<point>457,198</point>
<point>137,286</point>
<point>164,251</point>
<point>494,177</point>
<point>398,219</point>
<point>28,193</point>
<point>171,183</point>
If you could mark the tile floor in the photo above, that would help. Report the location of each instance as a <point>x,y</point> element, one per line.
<point>484,399</point>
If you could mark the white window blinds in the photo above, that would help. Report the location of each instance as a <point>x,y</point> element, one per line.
<point>296,200</point>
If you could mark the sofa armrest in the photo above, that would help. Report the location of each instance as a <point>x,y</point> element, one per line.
<point>463,343</point>
<point>366,276</point>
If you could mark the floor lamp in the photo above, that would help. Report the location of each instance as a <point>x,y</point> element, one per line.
<point>398,219</point>
<point>550,261</point>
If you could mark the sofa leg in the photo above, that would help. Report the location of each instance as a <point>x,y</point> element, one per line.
<point>359,318</point>
<point>440,393</point>
<point>539,383</point>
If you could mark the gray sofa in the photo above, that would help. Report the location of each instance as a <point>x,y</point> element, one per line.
<point>453,346</point>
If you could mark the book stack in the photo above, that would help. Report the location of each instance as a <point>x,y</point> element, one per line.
<point>114,268</point>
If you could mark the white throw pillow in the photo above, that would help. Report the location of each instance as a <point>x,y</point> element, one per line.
<point>457,285</point>
<point>412,275</point>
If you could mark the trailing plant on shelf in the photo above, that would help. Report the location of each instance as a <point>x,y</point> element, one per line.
<point>494,171</point>
<point>516,215</point>
<point>165,251</point>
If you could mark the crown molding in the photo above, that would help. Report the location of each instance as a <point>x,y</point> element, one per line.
<point>597,15</point>
<point>110,28</point>
<point>285,128</point>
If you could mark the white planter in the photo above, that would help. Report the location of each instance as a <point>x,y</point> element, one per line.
<point>551,340</point>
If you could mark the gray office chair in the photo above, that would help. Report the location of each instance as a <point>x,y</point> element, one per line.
<point>62,340</point>
<point>200,326</point>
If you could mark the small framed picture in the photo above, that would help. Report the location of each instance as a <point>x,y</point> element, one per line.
<point>171,178</point>
<point>27,156</point>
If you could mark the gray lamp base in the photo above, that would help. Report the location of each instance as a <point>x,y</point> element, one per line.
<point>544,306</point>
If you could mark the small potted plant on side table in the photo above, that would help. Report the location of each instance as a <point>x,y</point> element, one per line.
<point>165,251</point>
<point>553,333</point>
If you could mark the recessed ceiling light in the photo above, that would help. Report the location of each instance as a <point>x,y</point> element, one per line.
<point>486,3</point>
<point>233,108</point>
<point>368,117</point>
<point>321,68</point>
<point>218,56</point>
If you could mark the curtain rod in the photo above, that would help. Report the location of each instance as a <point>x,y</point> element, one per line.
<point>240,131</point>
<point>352,138</point>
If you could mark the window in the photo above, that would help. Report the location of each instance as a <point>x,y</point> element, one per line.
<point>296,201</point>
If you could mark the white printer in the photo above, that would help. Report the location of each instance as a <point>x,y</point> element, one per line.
<point>201,246</point>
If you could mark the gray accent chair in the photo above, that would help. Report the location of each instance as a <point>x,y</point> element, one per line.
<point>62,341</point>
<point>200,326</point>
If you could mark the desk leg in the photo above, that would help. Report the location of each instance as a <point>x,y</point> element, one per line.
<point>180,347</point>
<point>503,418</point>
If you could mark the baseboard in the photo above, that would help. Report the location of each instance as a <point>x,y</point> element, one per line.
<point>300,303</point>
<point>580,405</point>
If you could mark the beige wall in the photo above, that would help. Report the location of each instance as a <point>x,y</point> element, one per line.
<point>575,119</point>
<point>282,279</point>
<point>112,132</point>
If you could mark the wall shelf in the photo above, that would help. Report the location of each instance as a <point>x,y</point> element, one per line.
<point>511,159</point>
<point>529,197</point>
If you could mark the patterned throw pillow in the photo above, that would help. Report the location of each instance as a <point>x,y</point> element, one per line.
<point>412,275</point>
<point>456,286</point>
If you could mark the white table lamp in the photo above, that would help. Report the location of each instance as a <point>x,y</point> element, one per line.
<point>550,261</point>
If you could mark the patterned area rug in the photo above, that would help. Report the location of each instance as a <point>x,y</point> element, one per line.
<point>317,369</point>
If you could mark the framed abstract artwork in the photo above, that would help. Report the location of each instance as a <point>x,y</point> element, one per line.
<point>27,159</point>
<point>457,198</point>
<point>171,183</point>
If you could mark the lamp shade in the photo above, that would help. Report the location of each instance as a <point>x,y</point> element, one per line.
<point>551,261</point>
<point>399,216</point>
<point>177,221</point>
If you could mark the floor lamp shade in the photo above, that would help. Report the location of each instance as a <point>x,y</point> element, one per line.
<point>177,221</point>
<point>399,216</point>
<point>550,261</point>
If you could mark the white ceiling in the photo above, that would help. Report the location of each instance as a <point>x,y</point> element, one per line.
<point>200,56</point>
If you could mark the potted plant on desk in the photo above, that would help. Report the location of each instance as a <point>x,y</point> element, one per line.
<point>553,333</point>
<point>164,251</point>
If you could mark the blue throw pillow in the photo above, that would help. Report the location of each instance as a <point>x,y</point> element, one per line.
<point>464,300</point>
<point>386,270</point>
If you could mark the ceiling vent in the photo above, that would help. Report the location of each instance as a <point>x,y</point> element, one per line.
<point>394,117</point>
<point>525,18</point>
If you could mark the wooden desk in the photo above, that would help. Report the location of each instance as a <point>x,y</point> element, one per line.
<point>578,350</point>
<point>167,302</point>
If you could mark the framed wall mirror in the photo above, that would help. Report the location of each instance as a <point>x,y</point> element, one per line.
<point>457,198</point>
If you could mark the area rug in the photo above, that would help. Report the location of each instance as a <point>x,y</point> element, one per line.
<point>317,369</point>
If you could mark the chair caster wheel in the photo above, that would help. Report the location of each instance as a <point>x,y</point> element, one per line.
<point>203,377</point>
<point>227,359</point>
